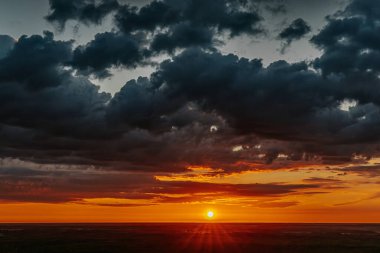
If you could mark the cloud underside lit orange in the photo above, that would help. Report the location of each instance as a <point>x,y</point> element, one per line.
<point>304,194</point>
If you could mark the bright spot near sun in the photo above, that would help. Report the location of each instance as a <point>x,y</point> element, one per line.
<point>210,214</point>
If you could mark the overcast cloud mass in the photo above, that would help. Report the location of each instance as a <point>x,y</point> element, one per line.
<point>200,104</point>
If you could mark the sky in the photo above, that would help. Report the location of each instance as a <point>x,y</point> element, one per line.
<point>160,111</point>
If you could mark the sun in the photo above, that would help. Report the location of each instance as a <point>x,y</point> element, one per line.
<point>210,214</point>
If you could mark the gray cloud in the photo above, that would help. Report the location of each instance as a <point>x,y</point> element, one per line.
<point>226,15</point>
<point>50,114</point>
<point>6,45</point>
<point>86,11</point>
<point>169,25</point>
<point>34,61</point>
<point>295,31</point>
<point>183,35</point>
<point>109,50</point>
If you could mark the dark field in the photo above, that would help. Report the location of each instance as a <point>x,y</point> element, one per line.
<point>261,238</point>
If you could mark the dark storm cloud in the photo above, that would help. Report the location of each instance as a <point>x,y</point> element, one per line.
<point>350,42</point>
<point>350,45</point>
<point>86,11</point>
<point>167,25</point>
<point>170,25</point>
<point>149,17</point>
<point>34,61</point>
<point>183,35</point>
<point>74,123</point>
<point>6,45</point>
<point>214,81</point>
<point>144,105</point>
<point>226,15</point>
<point>109,50</point>
<point>39,93</point>
<point>305,107</point>
<point>366,8</point>
<point>234,16</point>
<point>295,31</point>
<point>74,105</point>
<point>139,105</point>
<point>199,104</point>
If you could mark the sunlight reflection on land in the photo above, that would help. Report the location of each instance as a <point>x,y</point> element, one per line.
<point>209,237</point>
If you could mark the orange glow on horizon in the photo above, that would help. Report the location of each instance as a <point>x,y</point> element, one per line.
<point>328,202</point>
<point>71,213</point>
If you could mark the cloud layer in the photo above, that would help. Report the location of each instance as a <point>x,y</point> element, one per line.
<point>200,107</point>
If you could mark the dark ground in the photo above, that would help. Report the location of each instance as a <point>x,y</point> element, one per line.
<point>234,238</point>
